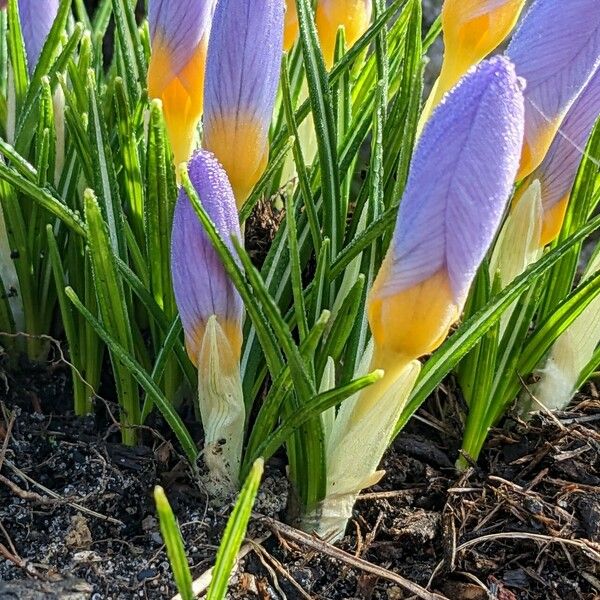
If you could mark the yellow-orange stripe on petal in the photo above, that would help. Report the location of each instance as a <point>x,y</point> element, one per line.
<point>556,50</point>
<point>353,15</point>
<point>181,97</point>
<point>239,143</point>
<point>179,31</point>
<point>422,331</point>
<point>242,76</point>
<point>460,179</point>
<point>558,170</point>
<point>290,26</point>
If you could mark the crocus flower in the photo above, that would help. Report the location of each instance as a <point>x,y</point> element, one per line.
<point>556,49</point>
<point>202,288</point>
<point>291,28</point>
<point>458,186</point>
<point>179,31</point>
<point>459,183</point>
<point>211,313</point>
<point>242,75</point>
<point>37,17</point>
<point>353,15</point>
<point>471,29</point>
<point>558,170</point>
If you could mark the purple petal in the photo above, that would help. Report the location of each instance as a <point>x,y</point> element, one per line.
<point>244,58</point>
<point>180,25</point>
<point>37,17</point>
<point>556,50</point>
<point>242,75</point>
<point>558,170</point>
<point>202,287</point>
<point>460,179</point>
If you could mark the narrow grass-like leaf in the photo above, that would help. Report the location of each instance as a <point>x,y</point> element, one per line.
<point>113,311</point>
<point>234,533</point>
<point>171,535</point>
<point>82,395</point>
<point>313,409</point>
<point>130,46</point>
<point>459,344</point>
<point>16,49</point>
<point>105,179</point>
<point>322,110</point>
<point>168,412</point>
<point>270,408</point>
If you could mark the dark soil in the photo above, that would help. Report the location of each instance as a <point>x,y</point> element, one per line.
<point>77,518</point>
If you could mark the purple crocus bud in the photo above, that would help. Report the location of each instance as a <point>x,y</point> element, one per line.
<point>556,50</point>
<point>242,74</point>
<point>558,170</point>
<point>37,17</point>
<point>179,31</point>
<point>202,287</point>
<point>460,180</point>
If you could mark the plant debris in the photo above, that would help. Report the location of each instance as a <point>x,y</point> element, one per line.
<point>76,510</point>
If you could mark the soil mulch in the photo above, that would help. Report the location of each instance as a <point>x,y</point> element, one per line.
<point>77,518</point>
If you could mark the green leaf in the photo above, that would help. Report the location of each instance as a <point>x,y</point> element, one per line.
<point>113,312</point>
<point>167,411</point>
<point>130,48</point>
<point>321,102</point>
<point>16,50</point>
<point>82,395</point>
<point>171,535</point>
<point>158,210</point>
<point>105,179</point>
<point>320,403</point>
<point>234,533</point>
<point>458,345</point>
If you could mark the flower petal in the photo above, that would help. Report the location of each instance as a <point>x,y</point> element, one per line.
<point>472,29</point>
<point>556,50</point>
<point>242,75</point>
<point>558,170</point>
<point>179,31</point>
<point>202,287</point>
<point>353,15</point>
<point>37,17</point>
<point>177,27</point>
<point>460,179</point>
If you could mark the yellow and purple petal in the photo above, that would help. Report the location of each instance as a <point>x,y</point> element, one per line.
<point>37,17</point>
<point>558,170</point>
<point>460,180</point>
<point>556,49</point>
<point>179,31</point>
<point>202,287</point>
<point>353,15</point>
<point>242,75</point>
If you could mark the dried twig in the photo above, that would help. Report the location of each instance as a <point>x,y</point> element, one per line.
<point>9,426</point>
<point>589,548</point>
<point>53,496</point>
<point>18,561</point>
<point>357,563</point>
